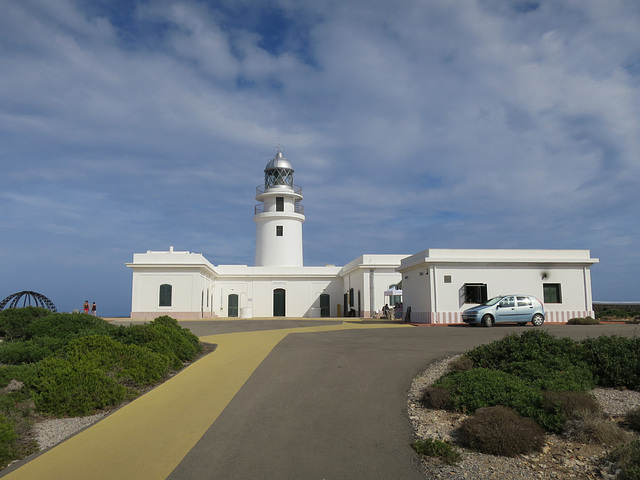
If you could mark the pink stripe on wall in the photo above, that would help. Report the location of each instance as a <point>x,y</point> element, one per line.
<point>451,318</point>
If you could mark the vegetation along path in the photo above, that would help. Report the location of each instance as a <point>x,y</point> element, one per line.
<point>326,400</point>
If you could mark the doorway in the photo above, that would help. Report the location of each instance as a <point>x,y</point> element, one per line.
<point>232,306</point>
<point>279,302</point>
<point>325,305</point>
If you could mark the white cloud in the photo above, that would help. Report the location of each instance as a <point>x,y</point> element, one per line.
<point>414,124</point>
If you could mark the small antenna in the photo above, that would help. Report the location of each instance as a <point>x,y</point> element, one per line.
<point>279,147</point>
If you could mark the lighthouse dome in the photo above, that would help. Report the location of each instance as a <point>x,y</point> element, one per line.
<point>278,173</point>
<point>278,162</point>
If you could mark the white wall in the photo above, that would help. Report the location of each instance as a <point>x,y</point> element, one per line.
<point>503,272</point>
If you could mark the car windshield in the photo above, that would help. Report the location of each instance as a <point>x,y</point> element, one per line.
<point>491,301</point>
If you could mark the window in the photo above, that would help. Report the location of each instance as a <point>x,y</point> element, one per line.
<point>279,204</point>
<point>475,293</point>
<point>508,302</point>
<point>524,302</point>
<point>165,295</point>
<point>552,293</point>
<point>279,231</point>
<point>447,278</point>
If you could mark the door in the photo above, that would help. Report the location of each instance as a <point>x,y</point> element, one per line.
<point>325,305</point>
<point>232,305</point>
<point>506,310</point>
<point>524,309</point>
<point>279,302</point>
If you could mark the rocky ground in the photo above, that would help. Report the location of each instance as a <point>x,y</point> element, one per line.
<point>560,458</point>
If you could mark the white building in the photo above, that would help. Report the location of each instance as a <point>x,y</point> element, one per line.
<point>437,284</point>
<point>186,285</point>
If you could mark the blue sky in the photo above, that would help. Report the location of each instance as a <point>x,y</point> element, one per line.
<point>128,126</point>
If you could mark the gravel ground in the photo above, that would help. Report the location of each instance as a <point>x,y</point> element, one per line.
<point>560,458</point>
<point>51,432</point>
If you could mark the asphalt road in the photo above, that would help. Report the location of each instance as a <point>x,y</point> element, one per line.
<point>331,405</point>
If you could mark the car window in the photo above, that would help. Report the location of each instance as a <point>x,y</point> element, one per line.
<point>524,302</point>
<point>508,302</point>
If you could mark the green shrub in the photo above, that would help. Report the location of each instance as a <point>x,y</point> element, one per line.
<point>163,336</point>
<point>8,441</point>
<point>482,387</point>
<point>126,363</point>
<point>167,321</point>
<point>614,360</point>
<point>24,373</point>
<point>553,373</point>
<point>68,388</point>
<point>583,321</point>
<point>501,431</point>
<point>633,419</point>
<point>437,449</point>
<point>14,322</point>
<point>628,457</point>
<point>187,336</point>
<point>29,351</point>
<point>69,326</point>
<point>533,345</point>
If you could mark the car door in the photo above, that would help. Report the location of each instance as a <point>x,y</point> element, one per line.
<point>506,310</point>
<point>524,308</point>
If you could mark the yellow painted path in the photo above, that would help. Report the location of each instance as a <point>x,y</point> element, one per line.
<point>146,439</point>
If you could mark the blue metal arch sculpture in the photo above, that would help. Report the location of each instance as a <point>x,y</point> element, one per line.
<point>29,299</point>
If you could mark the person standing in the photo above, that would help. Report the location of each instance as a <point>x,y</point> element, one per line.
<point>86,306</point>
<point>94,309</point>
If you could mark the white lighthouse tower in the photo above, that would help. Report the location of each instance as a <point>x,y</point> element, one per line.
<point>279,216</point>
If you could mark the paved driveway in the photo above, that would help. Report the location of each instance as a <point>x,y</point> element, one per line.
<point>319,401</point>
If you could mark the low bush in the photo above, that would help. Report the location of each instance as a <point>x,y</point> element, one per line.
<point>69,326</point>
<point>585,427</point>
<point>555,373</point>
<point>29,351</point>
<point>461,364</point>
<point>94,372</point>
<point>501,431</point>
<point>437,397</point>
<point>14,322</point>
<point>583,321</point>
<point>614,360</point>
<point>628,457</point>
<point>24,373</point>
<point>437,449</point>
<point>163,336</point>
<point>531,346</point>
<point>67,388</point>
<point>571,403</point>
<point>482,387</point>
<point>129,364</point>
<point>632,419</point>
<point>8,441</point>
<point>558,407</point>
<point>617,311</point>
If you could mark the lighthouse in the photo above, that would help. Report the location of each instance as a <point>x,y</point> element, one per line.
<point>279,216</point>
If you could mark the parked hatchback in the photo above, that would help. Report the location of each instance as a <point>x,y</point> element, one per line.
<point>520,309</point>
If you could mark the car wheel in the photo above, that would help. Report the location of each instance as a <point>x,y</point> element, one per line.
<point>537,320</point>
<point>487,320</point>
